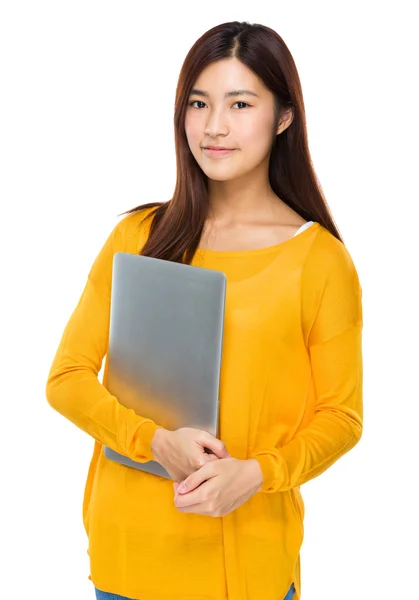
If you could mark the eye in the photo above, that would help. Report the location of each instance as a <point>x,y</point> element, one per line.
<point>201,102</point>
<point>240,102</point>
<point>194,102</point>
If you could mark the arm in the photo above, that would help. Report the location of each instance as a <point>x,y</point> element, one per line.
<point>73,388</point>
<point>335,350</point>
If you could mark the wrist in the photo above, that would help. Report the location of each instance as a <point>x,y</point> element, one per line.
<point>255,474</point>
<point>158,441</point>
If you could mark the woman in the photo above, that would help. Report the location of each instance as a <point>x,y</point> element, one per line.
<point>231,524</point>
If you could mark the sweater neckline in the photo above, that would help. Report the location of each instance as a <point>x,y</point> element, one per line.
<point>264,250</point>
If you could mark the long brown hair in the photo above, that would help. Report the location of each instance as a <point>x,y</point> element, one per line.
<point>177,224</point>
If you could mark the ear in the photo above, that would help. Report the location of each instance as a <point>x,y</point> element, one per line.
<point>285,121</point>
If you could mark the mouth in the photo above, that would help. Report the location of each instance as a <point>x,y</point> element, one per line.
<point>217,148</point>
<point>212,151</point>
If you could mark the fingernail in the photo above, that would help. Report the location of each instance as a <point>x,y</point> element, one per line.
<point>182,488</point>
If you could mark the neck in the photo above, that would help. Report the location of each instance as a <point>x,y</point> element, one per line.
<point>241,199</point>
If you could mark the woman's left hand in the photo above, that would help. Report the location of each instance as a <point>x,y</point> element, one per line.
<point>219,487</point>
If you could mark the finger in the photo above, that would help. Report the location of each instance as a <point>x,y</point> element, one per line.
<point>196,479</point>
<point>206,458</point>
<point>197,509</point>
<point>203,458</point>
<point>215,445</point>
<point>192,499</point>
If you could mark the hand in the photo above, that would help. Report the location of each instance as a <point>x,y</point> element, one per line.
<point>182,452</point>
<point>219,487</point>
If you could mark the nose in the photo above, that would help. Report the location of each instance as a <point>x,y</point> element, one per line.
<point>216,124</point>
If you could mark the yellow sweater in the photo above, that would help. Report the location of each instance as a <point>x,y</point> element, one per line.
<point>290,396</point>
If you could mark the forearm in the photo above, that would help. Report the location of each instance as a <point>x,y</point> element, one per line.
<point>73,388</point>
<point>337,423</point>
<point>310,453</point>
<point>82,399</point>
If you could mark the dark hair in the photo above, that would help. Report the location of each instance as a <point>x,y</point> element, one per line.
<point>177,224</point>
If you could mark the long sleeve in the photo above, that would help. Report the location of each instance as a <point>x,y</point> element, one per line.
<point>73,388</point>
<point>335,351</point>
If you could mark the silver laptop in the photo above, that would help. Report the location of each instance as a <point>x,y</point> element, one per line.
<point>165,344</point>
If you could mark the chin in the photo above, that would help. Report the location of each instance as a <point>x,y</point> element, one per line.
<point>219,172</point>
<point>218,177</point>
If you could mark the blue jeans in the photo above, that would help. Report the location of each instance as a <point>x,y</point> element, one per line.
<point>107,596</point>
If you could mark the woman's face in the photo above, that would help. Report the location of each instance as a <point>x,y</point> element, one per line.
<point>243,122</point>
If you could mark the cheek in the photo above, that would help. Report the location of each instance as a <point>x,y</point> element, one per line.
<point>191,131</point>
<point>256,136</point>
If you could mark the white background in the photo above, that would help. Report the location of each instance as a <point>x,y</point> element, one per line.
<point>87,94</point>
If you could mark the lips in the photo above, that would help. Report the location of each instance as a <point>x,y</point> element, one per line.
<point>218,152</point>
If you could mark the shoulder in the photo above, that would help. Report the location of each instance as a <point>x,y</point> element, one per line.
<point>127,236</point>
<point>331,290</point>
<point>132,230</point>
<point>329,276</point>
<point>329,258</point>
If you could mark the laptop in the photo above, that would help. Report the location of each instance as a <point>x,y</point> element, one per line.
<point>165,344</point>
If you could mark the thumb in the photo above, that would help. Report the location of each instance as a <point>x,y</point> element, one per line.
<point>215,445</point>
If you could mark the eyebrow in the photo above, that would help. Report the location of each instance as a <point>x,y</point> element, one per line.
<point>234,93</point>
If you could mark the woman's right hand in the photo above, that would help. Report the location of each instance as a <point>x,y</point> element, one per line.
<point>182,452</point>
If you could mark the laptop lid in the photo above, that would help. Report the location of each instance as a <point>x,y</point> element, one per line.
<point>165,344</point>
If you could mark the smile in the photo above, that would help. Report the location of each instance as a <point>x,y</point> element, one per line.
<point>217,153</point>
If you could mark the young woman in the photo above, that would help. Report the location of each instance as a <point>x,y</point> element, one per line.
<point>246,202</point>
